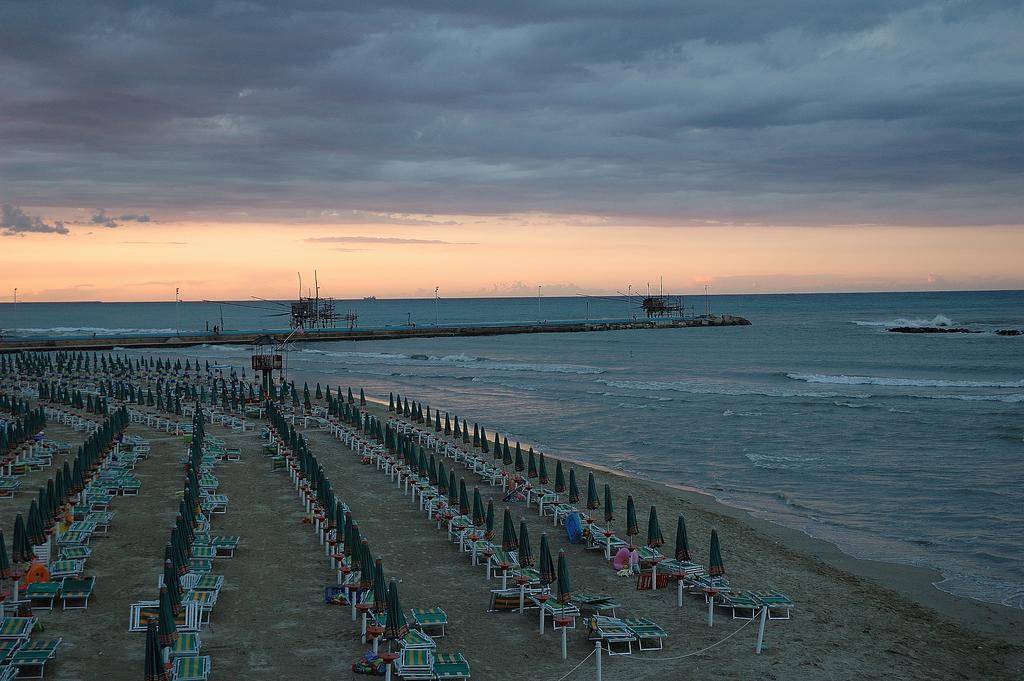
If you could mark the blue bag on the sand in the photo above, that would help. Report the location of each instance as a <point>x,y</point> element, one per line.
<point>573,527</point>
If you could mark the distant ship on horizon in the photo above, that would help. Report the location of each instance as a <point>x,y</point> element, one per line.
<point>370,298</point>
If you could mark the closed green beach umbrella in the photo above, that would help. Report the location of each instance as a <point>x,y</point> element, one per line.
<point>682,543</point>
<point>593,502</point>
<point>559,478</point>
<point>654,536</point>
<point>154,663</point>
<point>564,581</point>
<point>167,629</point>
<point>36,533</point>
<point>525,552</point>
<point>531,465</point>
<point>442,479</point>
<point>506,454</point>
<point>509,541</point>
<point>380,588</point>
<point>395,625</point>
<point>479,516</point>
<point>609,509</point>
<point>489,532</point>
<point>463,498</point>
<point>542,473</point>
<point>545,566</point>
<point>574,490</point>
<point>5,562</point>
<point>632,526</point>
<point>453,489</point>
<point>173,587</point>
<point>519,465</point>
<point>716,566</point>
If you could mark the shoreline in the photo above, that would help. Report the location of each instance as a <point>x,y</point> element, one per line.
<point>914,583</point>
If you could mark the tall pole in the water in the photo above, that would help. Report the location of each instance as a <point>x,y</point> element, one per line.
<point>436,289</point>
<point>629,299</point>
<point>707,302</point>
<point>177,312</point>
<point>538,302</point>
<point>16,324</point>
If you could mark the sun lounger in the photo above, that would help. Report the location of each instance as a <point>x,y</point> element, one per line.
<point>43,594</point>
<point>34,655</point>
<point>215,503</point>
<point>600,605</point>
<point>8,487</point>
<point>504,600</point>
<point>741,604</point>
<point>74,538</point>
<point>67,568</point>
<point>203,552</point>
<point>646,630</point>
<point>779,604</point>
<point>192,668</point>
<point>416,639</point>
<point>200,565</point>
<point>206,600</point>
<point>75,552</point>
<point>7,648</point>
<point>76,592</point>
<point>415,663</point>
<point>555,610</point>
<point>612,632</point>
<point>451,666</point>
<point>186,645</point>
<point>430,618</point>
<point>16,628</point>
<point>140,614</point>
<point>225,546</point>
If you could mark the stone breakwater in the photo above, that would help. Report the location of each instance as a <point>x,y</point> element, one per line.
<point>384,333</point>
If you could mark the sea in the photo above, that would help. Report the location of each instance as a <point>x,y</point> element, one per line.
<point>907,448</point>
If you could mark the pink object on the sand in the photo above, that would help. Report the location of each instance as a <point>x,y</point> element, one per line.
<point>621,560</point>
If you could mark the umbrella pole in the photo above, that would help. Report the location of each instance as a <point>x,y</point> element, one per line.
<point>522,598</point>
<point>654,577</point>
<point>542,619</point>
<point>679,592</point>
<point>565,652</point>
<point>711,610</point>
<point>597,652</point>
<point>760,629</point>
<point>362,630</point>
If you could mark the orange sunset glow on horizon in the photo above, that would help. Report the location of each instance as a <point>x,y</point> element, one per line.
<point>474,257</point>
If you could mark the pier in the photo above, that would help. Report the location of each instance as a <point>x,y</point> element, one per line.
<point>190,338</point>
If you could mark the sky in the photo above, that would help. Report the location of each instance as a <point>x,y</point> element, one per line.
<point>488,148</point>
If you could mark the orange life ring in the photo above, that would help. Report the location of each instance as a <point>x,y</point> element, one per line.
<point>37,573</point>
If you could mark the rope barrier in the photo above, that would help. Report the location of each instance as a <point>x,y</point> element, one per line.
<point>665,659</point>
<point>571,671</point>
<point>704,650</point>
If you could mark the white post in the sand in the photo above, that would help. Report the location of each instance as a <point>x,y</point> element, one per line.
<point>14,592</point>
<point>597,652</point>
<point>387,676</point>
<point>522,597</point>
<point>565,652</point>
<point>679,591</point>
<point>760,629</point>
<point>654,577</point>
<point>353,596</point>
<point>362,629</point>
<point>711,609</point>
<point>542,618</point>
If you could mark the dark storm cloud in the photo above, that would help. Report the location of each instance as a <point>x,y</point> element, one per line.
<point>15,222</point>
<point>790,111</point>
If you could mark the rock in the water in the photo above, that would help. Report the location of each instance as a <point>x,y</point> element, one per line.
<point>930,329</point>
<point>1010,332</point>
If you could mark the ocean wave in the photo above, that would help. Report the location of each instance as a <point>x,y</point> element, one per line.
<point>86,331</point>
<point>781,462</point>
<point>456,361</point>
<point>711,389</point>
<point>748,414</point>
<point>938,320</point>
<point>843,379</point>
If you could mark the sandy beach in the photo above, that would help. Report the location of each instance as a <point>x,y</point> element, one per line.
<point>854,619</point>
